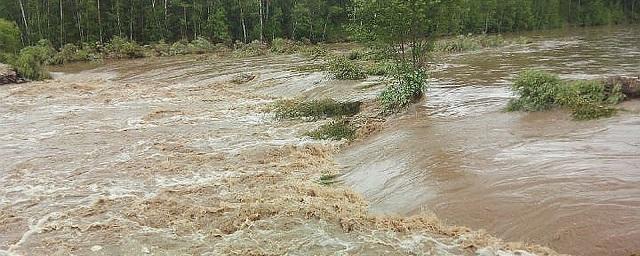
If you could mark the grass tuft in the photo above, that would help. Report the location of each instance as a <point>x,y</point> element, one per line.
<point>335,130</point>
<point>316,109</point>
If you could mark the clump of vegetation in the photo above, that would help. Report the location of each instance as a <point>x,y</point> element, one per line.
<point>539,91</point>
<point>357,54</point>
<point>316,109</point>
<point>313,51</point>
<point>252,49</point>
<point>72,53</point>
<point>345,69</point>
<point>328,179</point>
<point>31,61</point>
<point>380,68</point>
<point>409,86</point>
<point>589,99</point>
<point>334,130</point>
<point>9,40</point>
<point>120,48</point>
<point>471,43</point>
<point>283,46</point>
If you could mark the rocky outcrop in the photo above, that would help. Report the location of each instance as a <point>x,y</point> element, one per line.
<point>8,75</point>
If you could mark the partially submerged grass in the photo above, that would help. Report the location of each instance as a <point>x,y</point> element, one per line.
<point>471,43</point>
<point>334,130</point>
<point>328,179</point>
<point>345,69</point>
<point>409,86</point>
<point>316,109</point>
<point>539,91</point>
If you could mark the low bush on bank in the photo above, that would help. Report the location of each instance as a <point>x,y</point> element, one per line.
<point>252,49</point>
<point>335,130</point>
<point>30,63</point>
<point>316,109</point>
<point>539,91</point>
<point>121,48</point>
<point>408,87</point>
<point>72,53</point>
<point>345,69</point>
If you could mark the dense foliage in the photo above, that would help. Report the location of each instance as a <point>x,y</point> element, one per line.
<point>540,91</point>
<point>90,21</point>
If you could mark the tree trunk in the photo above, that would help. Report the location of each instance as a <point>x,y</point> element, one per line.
<point>24,19</point>
<point>261,23</point>
<point>61,25</point>
<point>244,26</point>
<point>99,22</point>
<point>131,21</point>
<point>79,20</point>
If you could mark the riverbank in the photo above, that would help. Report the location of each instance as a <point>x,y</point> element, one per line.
<point>172,157</point>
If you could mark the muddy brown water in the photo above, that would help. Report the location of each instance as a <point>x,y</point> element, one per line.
<point>537,177</point>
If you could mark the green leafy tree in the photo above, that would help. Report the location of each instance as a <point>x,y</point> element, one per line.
<point>9,40</point>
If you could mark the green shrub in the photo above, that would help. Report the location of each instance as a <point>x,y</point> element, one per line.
<point>289,109</point>
<point>252,49</point>
<point>31,61</point>
<point>537,91</point>
<point>9,40</point>
<point>283,46</point>
<point>72,53</point>
<point>585,99</point>
<point>409,87</point>
<point>344,69</point>
<point>589,99</point>
<point>179,48</point>
<point>380,68</point>
<point>161,48</point>
<point>356,54</point>
<point>335,130</point>
<point>201,45</point>
<point>471,43</point>
<point>122,48</point>
<point>313,51</point>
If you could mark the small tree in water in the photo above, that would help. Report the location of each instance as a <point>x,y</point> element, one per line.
<point>400,27</point>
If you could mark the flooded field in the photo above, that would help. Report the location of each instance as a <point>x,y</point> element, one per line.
<point>535,177</point>
<point>177,156</point>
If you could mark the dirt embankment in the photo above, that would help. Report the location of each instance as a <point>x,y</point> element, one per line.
<point>8,75</point>
<point>173,158</point>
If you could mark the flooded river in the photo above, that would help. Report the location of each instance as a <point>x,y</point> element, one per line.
<point>537,177</point>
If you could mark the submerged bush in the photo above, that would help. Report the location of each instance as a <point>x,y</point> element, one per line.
<point>540,91</point>
<point>471,43</point>
<point>380,68</point>
<point>283,46</point>
<point>31,60</point>
<point>313,51</point>
<point>315,109</point>
<point>345,69</point>
<point>589,99</point>
<point>537,91</point>
<point>335,130</point>
<point>122,48</point>
<point>72,53</point>
<point>252,49</point>
<point>408,88</point>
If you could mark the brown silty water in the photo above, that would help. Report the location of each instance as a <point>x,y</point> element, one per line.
<point>176,156</point>
<point>537,177</point>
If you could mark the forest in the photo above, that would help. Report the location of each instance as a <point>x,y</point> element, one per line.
<point>228,21</point>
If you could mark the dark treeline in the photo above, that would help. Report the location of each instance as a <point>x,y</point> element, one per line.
<point>75,21</point>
